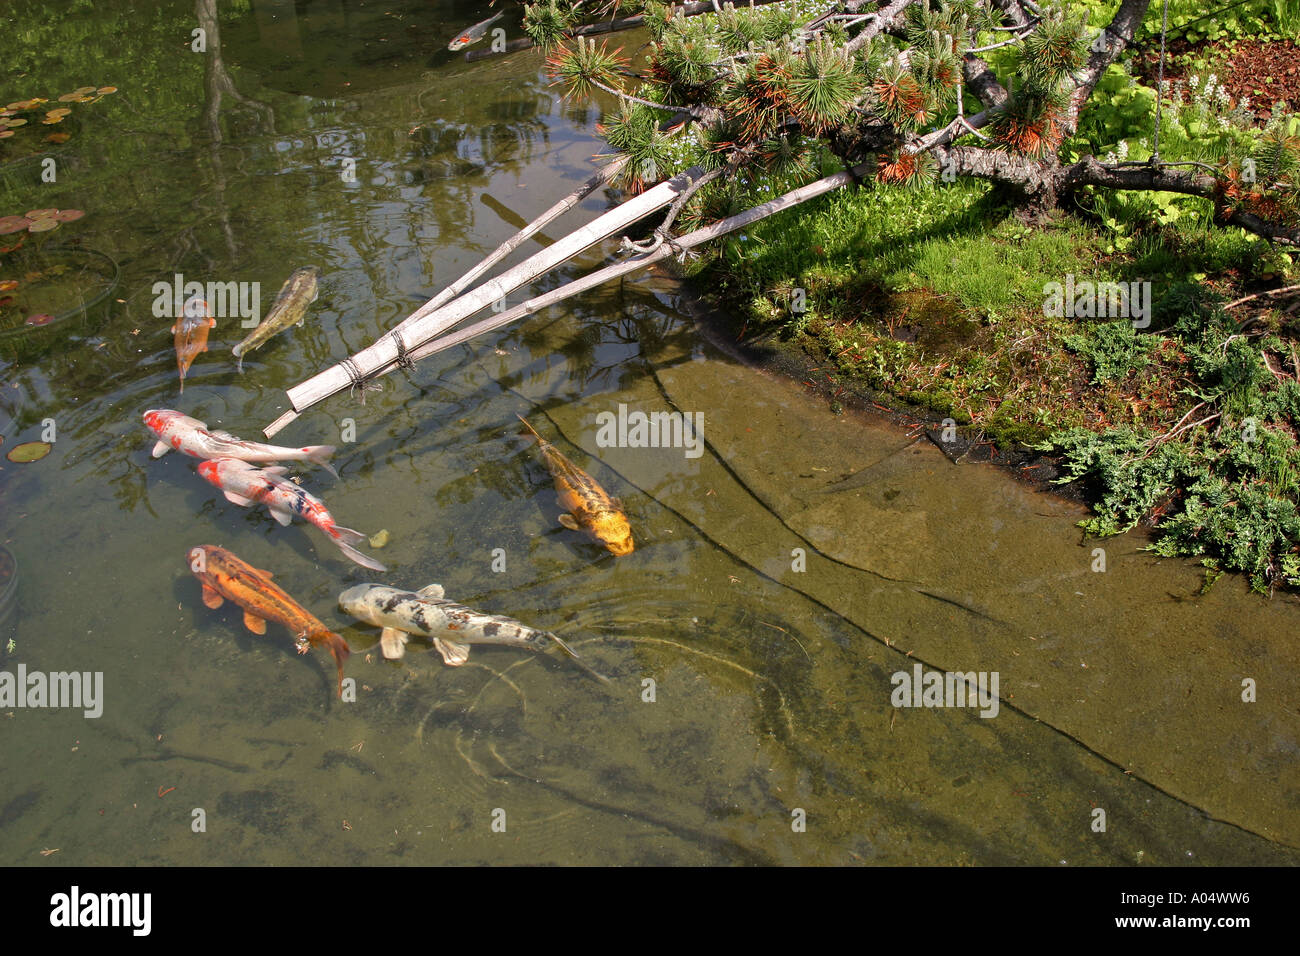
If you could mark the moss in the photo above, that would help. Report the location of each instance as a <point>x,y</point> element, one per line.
<point>938,298</point>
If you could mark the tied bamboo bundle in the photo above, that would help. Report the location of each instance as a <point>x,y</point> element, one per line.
<point>335,379</point>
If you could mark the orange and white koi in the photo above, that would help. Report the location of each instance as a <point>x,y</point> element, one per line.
<point>223,575</point>
<point>191,333</point>
<point>192,437</point>
<point>589,508</point>
<point>473,34</point>
<point>243,485</point>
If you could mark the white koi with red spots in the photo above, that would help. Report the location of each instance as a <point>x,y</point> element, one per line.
<point>244,485</point>
<point>192,437</point>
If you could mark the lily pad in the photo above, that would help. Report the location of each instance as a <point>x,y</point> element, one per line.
<point>41,213</point>
<point>84,90</point>
<point>24,104</point>
<point>8,285</point>
<point>105,90</point>
<point>43,225</point>
<point>13,224</point>
<point>69,97</point>
<point>15,121</point>
<point>61,111</point>
<point>41,318</point>
<point>6,133</point>
<point>29,451</point>
<point>51,120</point>
<point>69,215</point>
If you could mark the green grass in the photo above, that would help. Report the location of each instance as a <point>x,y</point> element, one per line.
<point>935,296</point>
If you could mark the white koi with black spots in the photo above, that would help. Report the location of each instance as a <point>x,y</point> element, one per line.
<point>452,627</point>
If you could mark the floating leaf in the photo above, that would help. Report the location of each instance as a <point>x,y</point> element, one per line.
<point>29,451</point>
<point>6,133</point>
<point>44,225</point>
<point>51,120</point>
<point>69,215</point>
<point>69,97</point>
<point>15,121</point>
<point>61,111</point>
<point>13,224</point>
<point>41,318</point>
<point>41,213</point>
<point>105,90</point>
<point>57,137</point>
<point>8,285</point>
<point>84,89</point>
<point>24,104</point>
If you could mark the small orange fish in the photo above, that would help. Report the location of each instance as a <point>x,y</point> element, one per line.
<point>588,506</point>
<point>223,575</point>
<point>191,333</point>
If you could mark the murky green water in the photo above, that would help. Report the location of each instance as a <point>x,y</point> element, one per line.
<point>749,719</point>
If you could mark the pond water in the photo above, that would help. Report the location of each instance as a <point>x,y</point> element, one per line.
<point>780,581</point>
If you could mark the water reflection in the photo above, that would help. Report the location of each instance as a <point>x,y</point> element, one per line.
<point>231,168</point>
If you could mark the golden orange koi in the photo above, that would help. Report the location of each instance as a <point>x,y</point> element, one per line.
<point>223,575</point>
<point>191,334</point>
<point>589,508</point>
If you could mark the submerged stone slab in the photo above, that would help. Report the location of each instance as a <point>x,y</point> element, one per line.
<point>964,569</point>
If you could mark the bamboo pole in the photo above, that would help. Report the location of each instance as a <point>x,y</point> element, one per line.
<point>601,276</point>
<point>601,178</point>
<point>590,281</point>
<point>427,323</point>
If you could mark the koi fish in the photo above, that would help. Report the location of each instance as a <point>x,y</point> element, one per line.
<point>191,436</point>
<point>223,575</point>
<point>191,333</point>
<point>243,484</point>
<point>289,308</point>
<point>473,34</point>
<point>587,505</point>
<point>452,627</point>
